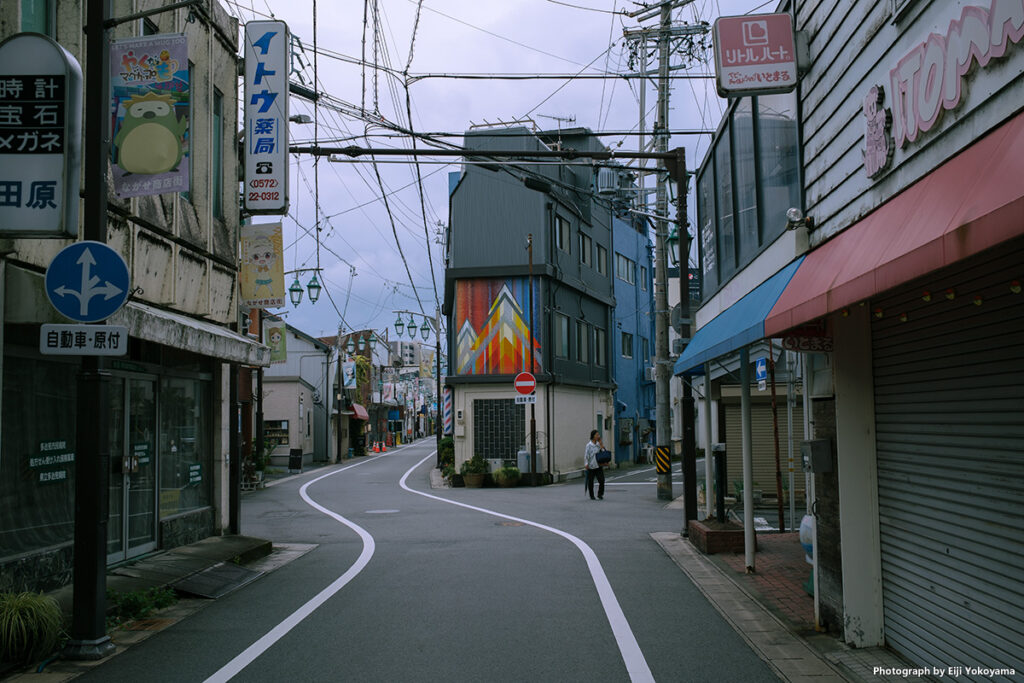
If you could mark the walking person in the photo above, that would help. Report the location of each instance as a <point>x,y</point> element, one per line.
<point>593,468</point>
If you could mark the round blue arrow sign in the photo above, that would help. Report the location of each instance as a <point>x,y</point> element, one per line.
<point>87,281</point>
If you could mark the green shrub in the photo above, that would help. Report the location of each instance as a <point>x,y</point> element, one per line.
<point>508,473</point>
<point>136,604</point>
<point>475,465</point>
<point>31,627</point>
<point>446,449</point>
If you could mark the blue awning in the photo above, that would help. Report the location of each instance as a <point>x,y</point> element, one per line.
<point>739,325</point>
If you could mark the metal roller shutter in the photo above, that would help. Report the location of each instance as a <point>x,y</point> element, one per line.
<point>949,411</point>
<point>764,445</point>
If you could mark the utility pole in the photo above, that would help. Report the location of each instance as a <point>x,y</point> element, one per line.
<point>663,371</point>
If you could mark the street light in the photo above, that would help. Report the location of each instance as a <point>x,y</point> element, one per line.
<point>425,330</point>
<point>399,325</point>
<point>314,289</point>
<point>350,346</point>
<point>362,343</point>
<point>673,246</point>
<point>373,342</point>
<point>411,328</point>
<point>295,292</point>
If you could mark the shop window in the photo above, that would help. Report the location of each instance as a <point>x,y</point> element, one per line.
<point>186,460</point>
<point>37,455</point>
<point>275,432</point>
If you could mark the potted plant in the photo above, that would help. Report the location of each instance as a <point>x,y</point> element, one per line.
<point>473,471</point>
<point>31,627</point>
<point>507,476</point>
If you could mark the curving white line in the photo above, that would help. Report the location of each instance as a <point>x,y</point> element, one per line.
<point>632,657</point>
<point>247,656</point>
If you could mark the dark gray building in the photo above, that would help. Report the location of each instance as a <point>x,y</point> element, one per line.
<point>493,209</point>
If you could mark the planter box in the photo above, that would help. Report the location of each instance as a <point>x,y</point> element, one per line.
<point>710,537</point>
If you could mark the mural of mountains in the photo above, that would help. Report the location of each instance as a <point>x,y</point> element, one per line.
<point>494,331</point>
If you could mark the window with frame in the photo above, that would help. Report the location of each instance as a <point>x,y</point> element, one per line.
<point>39,16</point>
<point>600,347</point>
<point>625,269</point>
<point>562,233</point>
<point>560,325</point>
<point>187,194</point>
<point>217,182</point>
<point>602,260</point>
<point>645,349</point>
<point>582,342</point>
<point>585,250</point>
<point>643,278</point>
<point>627,345</point>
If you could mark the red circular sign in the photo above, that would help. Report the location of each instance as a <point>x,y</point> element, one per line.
<point>525,383</point>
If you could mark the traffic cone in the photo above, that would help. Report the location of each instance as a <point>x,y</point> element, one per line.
<point>376,447</point>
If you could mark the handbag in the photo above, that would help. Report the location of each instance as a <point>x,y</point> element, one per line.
<point>604,457</point>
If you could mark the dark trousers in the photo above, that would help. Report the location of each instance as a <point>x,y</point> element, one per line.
<point>599,475</point>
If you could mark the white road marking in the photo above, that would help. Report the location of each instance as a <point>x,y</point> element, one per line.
<point>632,657</point>
<point>249,655</point>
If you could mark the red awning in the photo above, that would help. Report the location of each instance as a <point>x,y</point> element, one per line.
<point>359,412</point>
<point>970,203</point>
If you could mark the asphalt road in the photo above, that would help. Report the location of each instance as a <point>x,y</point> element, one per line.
<point>409,583</point>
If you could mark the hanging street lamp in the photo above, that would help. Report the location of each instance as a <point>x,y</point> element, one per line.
<point>412,328</point>
<point>399,325</point>
<point>425,330</point>
<point>295,293</point>
<point>314,289</point>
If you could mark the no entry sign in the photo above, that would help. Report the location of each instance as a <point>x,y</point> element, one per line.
<point>525,383</point>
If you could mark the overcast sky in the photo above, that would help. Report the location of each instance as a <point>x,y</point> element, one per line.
<point>451,37</point>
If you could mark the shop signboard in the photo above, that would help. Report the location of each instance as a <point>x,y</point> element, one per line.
<point>83,340</point>
<point>755,54</point>
<point>149,87</point>
<point>266,117</point>
<point>40,138</point>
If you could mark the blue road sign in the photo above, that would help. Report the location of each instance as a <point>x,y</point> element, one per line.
<point>761,369</point>
<point>87,281</point>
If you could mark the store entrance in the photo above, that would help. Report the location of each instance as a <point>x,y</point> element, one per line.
<point>131,529</point>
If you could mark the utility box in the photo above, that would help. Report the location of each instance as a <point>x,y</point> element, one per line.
<point>816,455</point>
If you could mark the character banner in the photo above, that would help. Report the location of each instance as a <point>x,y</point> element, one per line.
<point>275,336</point>
<point>262,276</point>
<point>150,90</point>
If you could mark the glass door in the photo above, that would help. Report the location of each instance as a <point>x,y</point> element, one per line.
<point>131,529</point>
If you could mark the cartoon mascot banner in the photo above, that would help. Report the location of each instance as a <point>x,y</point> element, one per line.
<point>150,89</point>
<point>262,276</point>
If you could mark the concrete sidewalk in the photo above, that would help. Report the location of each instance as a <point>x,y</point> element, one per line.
<point>772,613</point>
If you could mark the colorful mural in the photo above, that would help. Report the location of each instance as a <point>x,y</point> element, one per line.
<point>493,329</point>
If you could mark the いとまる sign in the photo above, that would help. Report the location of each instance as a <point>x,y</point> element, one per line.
<point>755,55</point>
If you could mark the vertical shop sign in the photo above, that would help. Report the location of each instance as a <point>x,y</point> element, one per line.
<point>40,138</point>
<point>262,275</point>
<point>266,117</point>
<point>149,87</point>
<point>755,54</point>
<point>276,338</point>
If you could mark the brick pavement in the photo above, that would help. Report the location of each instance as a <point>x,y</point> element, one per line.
<point>778,579</point>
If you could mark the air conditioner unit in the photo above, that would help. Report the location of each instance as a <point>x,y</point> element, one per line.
<point>607,181</point>
<point>651,374</point>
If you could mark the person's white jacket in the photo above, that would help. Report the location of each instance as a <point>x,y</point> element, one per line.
<point>590,456</point>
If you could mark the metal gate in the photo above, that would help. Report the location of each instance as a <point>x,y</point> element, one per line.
<point>948,356</point>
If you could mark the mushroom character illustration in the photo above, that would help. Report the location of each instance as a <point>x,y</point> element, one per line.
<point>150,138</point>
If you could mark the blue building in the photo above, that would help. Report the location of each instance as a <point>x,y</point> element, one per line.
<point>633,341</point>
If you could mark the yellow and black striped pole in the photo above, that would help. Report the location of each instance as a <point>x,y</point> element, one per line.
<point>663,466</point>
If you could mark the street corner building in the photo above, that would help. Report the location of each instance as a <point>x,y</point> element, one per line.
<point>536,264</point>
<point>866,232</point>
<point>167,401</point>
